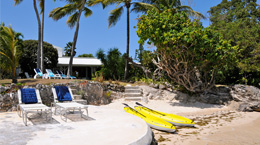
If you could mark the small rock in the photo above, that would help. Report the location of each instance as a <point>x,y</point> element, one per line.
<point>162,87</point>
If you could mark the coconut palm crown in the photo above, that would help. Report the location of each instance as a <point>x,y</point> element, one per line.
<point>72,10</point>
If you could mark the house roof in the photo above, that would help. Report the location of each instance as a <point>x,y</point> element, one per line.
<point>79,61</point>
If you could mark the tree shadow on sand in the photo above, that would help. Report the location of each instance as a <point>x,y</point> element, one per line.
<point>195,105</point>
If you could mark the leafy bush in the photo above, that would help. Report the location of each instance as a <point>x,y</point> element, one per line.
<point>190,54</point>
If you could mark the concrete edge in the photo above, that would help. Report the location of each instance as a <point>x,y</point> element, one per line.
<point>146,139</point>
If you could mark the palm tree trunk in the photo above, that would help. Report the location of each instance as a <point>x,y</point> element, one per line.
<point>75,38</point>
<point>42,64</point>
<point>14,79</point>
<point>127,44</point>
<point>39,34</point>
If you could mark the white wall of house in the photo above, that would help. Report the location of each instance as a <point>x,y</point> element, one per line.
<point>83,63</point>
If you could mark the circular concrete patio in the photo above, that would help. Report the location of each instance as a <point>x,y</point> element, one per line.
<point>103,126</point>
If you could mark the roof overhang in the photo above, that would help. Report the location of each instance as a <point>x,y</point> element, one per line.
<point>79,61</point>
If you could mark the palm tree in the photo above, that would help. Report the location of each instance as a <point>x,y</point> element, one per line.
<point>40,30</point>
<point>9,50</point>
<point>115,16</point>
<point>74,7</point>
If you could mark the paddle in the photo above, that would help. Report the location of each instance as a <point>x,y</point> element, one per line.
<point>149,108</point>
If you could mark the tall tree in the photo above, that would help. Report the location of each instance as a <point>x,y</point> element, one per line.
<point>188,53</point>
<point>74,7</point>
<point>115,16</point>
<point>142,6</point>
<point>40,30</point>
<point>9,49</point>
<point>239,22</point>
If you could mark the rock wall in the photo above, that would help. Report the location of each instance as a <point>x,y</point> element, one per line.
<point>248,97</point>
<point>94,93</point>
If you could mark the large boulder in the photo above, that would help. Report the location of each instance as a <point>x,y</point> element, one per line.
<point>96,94</point>
<point>216,95</point>
<point>244,93</point>
<point>249,96</point>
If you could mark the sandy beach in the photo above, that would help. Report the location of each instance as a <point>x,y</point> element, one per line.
<point>215,124</point>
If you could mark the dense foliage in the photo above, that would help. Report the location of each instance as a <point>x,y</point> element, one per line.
<point>29,57</point>
<point>191,55</point>
<point>86,55</point>
<point>239,22</point>
<point>113,64</point>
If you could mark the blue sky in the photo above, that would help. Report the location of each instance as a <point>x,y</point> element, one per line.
<point>93,31</point>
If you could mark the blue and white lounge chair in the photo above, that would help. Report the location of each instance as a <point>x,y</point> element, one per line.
<point>30,102</point>
<point>50,75</point>
<point>64,100</point>
<point>38,73</point>
<point>65,76</point>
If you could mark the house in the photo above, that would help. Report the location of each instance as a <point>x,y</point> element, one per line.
<point>82,67</point>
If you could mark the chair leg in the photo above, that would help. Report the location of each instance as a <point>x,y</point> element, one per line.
<point>55,110</point>
<point>19,111</point>
<point>80,112</point>
<point>87,111</point>
<point>66,114</point>
<point>24,114</point>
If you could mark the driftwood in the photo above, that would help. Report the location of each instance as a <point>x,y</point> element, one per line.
<point>182,70</point>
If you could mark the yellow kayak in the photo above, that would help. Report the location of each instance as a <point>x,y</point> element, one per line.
<point>171,118</point>
<point>153,122</point>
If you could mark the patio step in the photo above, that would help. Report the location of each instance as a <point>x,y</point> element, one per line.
<point>134,98</point>
<point>133,93</point>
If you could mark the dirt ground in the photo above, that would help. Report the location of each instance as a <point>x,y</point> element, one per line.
<point>38,81</point>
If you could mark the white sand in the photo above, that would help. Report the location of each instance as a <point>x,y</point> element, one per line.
<point>215,124</point>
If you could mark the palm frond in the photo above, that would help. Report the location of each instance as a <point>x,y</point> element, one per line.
<point>141,7</point>
<point>60,12</point>
<point>111,2</point>
<point>115,16</point>
<point>190,12</point>
<point>42,5</point>
<point>95,2</point>
<point>72,20</point>
<point>87,12</point>
<point>17,2</point>
<point>8,46</point>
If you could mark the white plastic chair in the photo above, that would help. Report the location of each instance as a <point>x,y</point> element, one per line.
<point>24,109</point>
<point>50,74</point>
<point>66,106</point>
<point>38,73</point>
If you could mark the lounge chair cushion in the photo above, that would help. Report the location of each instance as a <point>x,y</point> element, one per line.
<point>63,93</point>
<point>29,96</point>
